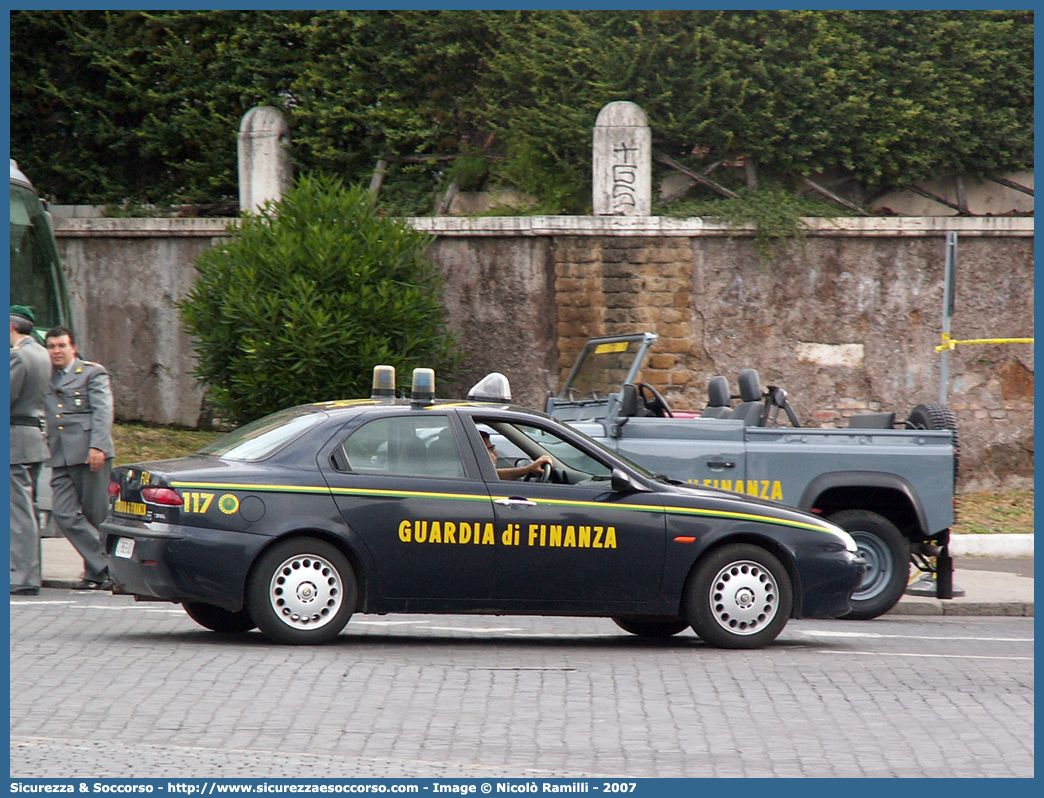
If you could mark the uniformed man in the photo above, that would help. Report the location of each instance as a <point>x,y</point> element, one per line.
<point>79,432</point>
<point>30,372</point>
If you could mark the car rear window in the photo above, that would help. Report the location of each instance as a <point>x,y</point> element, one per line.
<point>264,437</point>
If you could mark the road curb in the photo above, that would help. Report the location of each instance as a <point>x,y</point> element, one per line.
<point>1005,545</point>
<point>927,606</point>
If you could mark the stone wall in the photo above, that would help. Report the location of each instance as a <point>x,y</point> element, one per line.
<point>124,277</point>
<point>844,325</point>
<point>846,320</point>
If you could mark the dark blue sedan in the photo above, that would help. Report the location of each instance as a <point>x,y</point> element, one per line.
<point>293,523</point>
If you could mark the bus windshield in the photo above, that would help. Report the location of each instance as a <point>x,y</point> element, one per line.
<point>36,275</point>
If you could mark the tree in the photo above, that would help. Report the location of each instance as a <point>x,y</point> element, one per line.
<point>305,298</point>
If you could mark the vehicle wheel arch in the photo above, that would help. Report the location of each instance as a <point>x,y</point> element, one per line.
<point>888,495</point>
<point>337,541</point>
<point>770,545</point>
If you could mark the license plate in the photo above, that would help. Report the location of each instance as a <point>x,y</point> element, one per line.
<point>130,508</point>
<point>125,547</point>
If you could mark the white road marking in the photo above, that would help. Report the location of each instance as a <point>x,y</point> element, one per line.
<point>354,622</point>
<point>876,636</point>
<point>476,629</point>
<point>36,602</point>
<point>930,656</point>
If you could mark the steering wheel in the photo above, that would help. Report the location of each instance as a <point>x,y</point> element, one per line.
<point>654,402</point>
<point>545,474</point>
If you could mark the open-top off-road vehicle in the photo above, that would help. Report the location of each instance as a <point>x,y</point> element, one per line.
<point>889,484</point>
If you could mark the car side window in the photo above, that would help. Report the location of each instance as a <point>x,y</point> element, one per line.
<point>405,446</point>
<point>518,444</point>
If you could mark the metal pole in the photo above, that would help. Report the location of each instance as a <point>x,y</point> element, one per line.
<point>949,293</point>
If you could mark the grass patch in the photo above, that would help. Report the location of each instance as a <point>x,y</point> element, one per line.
<point>991,513</point>
<point>139,443</point>
<point>982,513</point>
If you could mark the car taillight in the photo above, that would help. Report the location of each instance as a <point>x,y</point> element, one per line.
<point>114,490</point>
<point>161,496</point>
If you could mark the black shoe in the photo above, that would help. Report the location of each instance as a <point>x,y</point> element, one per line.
<point>90,584</point>
<point>25,591</point>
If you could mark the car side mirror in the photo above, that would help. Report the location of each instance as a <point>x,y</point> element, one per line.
<point>622,482</point>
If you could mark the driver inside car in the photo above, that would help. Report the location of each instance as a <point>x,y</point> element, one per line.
<point>517,472</point>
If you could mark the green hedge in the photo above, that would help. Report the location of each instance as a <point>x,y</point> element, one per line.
<point>144,107</point>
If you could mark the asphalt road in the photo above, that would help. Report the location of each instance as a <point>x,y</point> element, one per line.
<point>104,687</point>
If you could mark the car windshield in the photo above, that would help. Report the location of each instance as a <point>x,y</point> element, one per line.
<point>602,369</point>
<point>264,437</point>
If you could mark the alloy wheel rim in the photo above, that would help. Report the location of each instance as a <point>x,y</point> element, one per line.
<point>744,597</point>
<point>306,591</point>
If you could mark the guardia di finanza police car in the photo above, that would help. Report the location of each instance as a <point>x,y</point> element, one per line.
<point>296,521</point>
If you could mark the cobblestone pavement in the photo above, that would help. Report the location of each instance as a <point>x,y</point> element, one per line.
<point>104,687</point>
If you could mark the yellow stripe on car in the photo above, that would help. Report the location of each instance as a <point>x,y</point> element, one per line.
<point>403,494</point>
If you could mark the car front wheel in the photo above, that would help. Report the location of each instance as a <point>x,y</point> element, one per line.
<point>302,592</point>
<point>739,596</point>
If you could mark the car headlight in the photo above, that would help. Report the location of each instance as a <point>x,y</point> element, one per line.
<point>850,544</point>
<point>848,540</point>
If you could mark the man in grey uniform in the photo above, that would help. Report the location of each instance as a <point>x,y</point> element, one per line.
<point>30,372</point>
<point>79,432</point>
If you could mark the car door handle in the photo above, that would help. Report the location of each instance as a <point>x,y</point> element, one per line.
<point>514,502</point>
<point>720,464</point>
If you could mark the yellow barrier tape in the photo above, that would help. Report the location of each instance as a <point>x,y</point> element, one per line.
<point>949,343</point>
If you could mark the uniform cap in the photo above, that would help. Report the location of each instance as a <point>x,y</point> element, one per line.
<point>24,311</point>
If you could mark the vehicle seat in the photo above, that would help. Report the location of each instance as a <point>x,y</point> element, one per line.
<point>872,421</point>
<point>443,457</point>
<point>631,404</point>
<point>718,399</point>
<point>412,458</point>
<point>750,409</point>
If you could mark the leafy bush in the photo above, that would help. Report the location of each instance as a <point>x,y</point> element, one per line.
<point>776,213</point>
<point>305,298</point>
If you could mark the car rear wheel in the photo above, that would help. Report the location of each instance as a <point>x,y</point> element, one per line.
<point>887,555</point>
<point>302,591</point>
<point>650,626</point>
<point>739,596</point>
<point>219,620</point>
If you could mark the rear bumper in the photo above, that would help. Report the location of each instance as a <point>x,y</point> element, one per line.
<point>173,563</point>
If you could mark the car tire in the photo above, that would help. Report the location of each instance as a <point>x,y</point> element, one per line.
<point>302,591</point>
<point>651,626</point>
<point>739,596</point>
<point>218,619</point>
<point>887,555</point>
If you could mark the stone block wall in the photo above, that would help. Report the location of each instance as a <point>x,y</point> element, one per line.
<point>846,321</point>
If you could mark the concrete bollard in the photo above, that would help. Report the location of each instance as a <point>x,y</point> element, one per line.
<point>265,170</point>
<point>622,161</point>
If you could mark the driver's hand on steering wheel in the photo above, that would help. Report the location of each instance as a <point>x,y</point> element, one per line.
<point>531,469</point>
<point>538,465</point>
